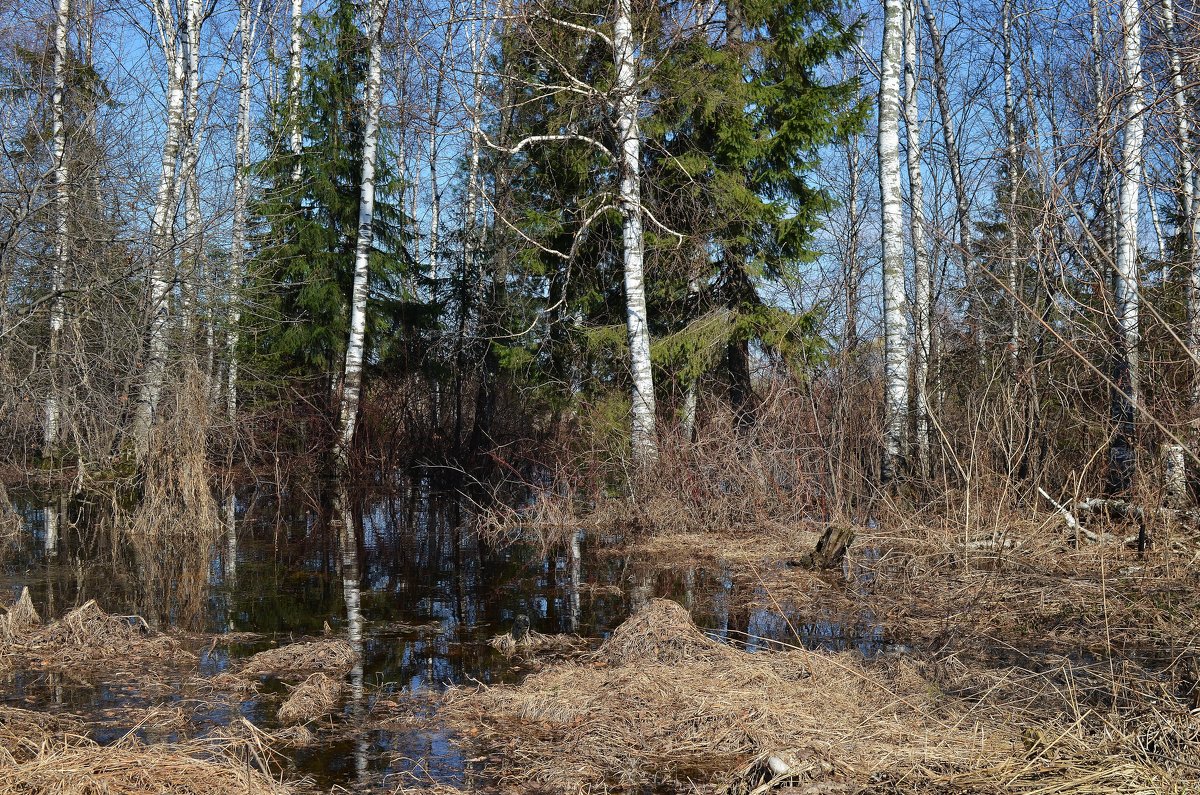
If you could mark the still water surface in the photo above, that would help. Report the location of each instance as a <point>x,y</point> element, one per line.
<point>431,596</point>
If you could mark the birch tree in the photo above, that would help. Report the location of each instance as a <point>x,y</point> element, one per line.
<point>1010,151</point>
<point>61,237</point>
<point>895,330</point>
<point>161,249</point>
<point>1175,454</point>
<point>644,437</point>
<point>1122,454</point>
<point>248,14</point>
<point>922,315</point>
<point>295,53</point>
<point>352,378</point>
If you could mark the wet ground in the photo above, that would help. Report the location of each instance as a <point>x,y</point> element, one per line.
<point>431,597</point>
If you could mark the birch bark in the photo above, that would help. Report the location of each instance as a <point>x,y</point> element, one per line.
<point>61,239</point>
<point>1010,148</point>
<point>1176,469</point>
<point>895,330</point>
<point>247,24</point>
<point>352,380</point>
<point>643,435</point>
<point>1122,454</point>
<point>161,249</point>
<point>921,276</point>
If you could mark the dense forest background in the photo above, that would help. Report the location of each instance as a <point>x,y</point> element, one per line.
<point>629,245</point>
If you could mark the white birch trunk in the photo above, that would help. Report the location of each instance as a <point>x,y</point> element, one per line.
<point>352,380</point>
<point>1010,147</point>
<point>895,330</point>
<point>192,242</point>
<point>643,435</point>
<point>1176,474</point>
<point>1122,454</point>
<point>921,278</point>
<point>161,254</point>
<point>61,239</point>
<point>237,254</point>
<point>294,71</point>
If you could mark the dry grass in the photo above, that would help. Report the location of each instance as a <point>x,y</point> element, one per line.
<point>312,699</point>
<point>84,638</point>
<point>23,733</point>
<point>81,767</point>
<point>18,619</point>
<point>330,656</point>
<point>537,644</point>
<point>662,705</point>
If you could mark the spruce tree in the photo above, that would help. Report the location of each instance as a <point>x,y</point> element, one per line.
<point>302,259</point>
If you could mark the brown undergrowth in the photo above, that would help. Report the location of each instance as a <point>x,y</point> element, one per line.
<point>74,765</point>
<point>81,639</point>
<point>660,705</point>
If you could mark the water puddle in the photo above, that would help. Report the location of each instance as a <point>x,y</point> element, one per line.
<point>431,597</point>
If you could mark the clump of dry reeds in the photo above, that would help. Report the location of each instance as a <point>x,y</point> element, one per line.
<point>331,656</point>
<point>662,705</point>
<point>174,523</point>
<point>82,767</point>
<point>537,643</point>
<point>87,636</point>
<point>312,699</point>
<point>18,619</point>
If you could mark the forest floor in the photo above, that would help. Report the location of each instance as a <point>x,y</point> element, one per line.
<point>1020,659</point>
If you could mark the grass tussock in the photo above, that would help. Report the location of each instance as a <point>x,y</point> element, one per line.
<point>82,639</point>
<point>312,699</point>
<point>80,767</point>
<point>330,656</point>
<point>661,705</point>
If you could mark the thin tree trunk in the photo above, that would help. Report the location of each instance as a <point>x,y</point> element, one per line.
<point>435,190</point>
<point>1122,454</point>
<point>192,238</point>
<point>644,437</point>
<point>1176,473</point>
<point>921,281</point>
<point>61,239</point>
<point>895,330</point>
<point>237,255</point>
<point>161,249</point>
<point>352,381</point>
<point>1010,147</point>
<point>962,208</point>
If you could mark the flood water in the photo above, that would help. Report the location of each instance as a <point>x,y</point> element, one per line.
<point>431,596</point>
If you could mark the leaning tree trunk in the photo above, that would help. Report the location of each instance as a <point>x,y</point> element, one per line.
<point>1122,452</point>
<point>895,330</point>
<point>645,444</point>
<point>61,241</point>
<point>161,250</point>
<point>921,280</point>
<point>352,380</point>
<point>962,207</point>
